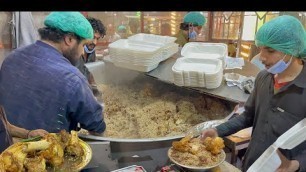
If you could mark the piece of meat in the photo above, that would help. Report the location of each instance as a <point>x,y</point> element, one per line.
<point>214,145</point>
<point>65,137</point>
<point>35,164</point>
<point>74,147</point>
<point>13,158</point>
<point>55,153</point>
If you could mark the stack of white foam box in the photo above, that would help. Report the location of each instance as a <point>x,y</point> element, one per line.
<point>202,65</point>
<point>142,52</point>
<point>205,50</point>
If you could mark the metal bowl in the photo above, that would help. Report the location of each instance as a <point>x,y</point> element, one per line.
<point>86,158</point>
<point>194,168</point>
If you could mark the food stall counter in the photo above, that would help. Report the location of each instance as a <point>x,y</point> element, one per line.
<point>110,156</point>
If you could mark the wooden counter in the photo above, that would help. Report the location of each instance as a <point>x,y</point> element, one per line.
<point>226,167</point>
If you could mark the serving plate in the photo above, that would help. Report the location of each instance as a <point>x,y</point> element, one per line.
<point>66,166</point>
<point>195,168</point>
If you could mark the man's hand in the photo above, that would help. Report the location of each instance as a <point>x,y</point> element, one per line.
<point>95,90</point>
<point>95,133</point>
<point>286,164</point>
<point>211,132</point>
<point>39,132</point>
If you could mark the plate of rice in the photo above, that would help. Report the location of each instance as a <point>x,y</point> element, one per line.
<point>197,155</point>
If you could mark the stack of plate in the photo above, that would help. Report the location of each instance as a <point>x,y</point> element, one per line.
<point>142,52</point>
<point>198,72</point>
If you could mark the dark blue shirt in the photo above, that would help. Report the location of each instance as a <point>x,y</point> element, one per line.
<point>40,88</point>
<point>5,136</point>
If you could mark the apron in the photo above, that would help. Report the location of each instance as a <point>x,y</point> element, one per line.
<point>5,137</point>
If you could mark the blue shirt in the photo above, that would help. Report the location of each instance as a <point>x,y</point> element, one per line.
<point>40,88</point>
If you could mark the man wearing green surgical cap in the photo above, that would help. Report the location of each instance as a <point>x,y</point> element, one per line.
<point>190,28</point>
<point>277,102</point>
<point>122,31</point>
<point>47,91</point>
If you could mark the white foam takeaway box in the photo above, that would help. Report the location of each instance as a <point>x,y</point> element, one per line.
<point>156,40</point>
<point>198,72</point>
<point>205,50</point>
<point>140,55</point>
<point>167,43</point>
<point>269,161</point>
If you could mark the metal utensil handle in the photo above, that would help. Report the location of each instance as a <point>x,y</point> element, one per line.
<point>197,129</point>
<point>230,115</point>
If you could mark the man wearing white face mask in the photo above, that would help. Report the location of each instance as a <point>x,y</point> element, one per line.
<point>190,28</point>
<point>277,102</point>
<point>89,54</point>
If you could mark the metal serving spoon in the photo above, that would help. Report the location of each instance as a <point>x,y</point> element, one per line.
<point>196,130</point>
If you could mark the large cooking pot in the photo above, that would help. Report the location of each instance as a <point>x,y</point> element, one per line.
<point>106,73</point>
<point>151,153</point>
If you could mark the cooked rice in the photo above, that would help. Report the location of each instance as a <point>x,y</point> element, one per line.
<point>150,109</point>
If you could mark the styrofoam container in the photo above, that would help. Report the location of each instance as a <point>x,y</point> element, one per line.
<point>205,50</point>
<point>269,160</point>
<point>193,71</point>
<point>169,50</point>
<point>123,44</point>
<point>140,56</point>
<point>293,137</point>
<point>195,65</point>
<point>151,39</point>
<point>140,68</point>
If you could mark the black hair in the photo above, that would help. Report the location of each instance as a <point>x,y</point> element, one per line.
<point>185,26</point>
<point>97,25</point>
<point>55,35</point>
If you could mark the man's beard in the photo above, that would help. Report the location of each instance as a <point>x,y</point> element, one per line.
<point>91,46</point>
<point>72,55</point>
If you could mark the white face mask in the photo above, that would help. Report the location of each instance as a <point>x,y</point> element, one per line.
<point>87,50</point>
<point>280,66</point>
<point>192,33</point>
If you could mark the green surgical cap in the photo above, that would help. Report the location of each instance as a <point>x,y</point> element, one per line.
<point>73,22</point>
<point>196,18</point>
<point>285,34</point>
<point>121,27</point>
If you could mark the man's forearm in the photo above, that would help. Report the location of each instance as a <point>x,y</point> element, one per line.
<point>232,126</point>
<point>17,131</point>
<point>301,160</point>
<point>91,79</point>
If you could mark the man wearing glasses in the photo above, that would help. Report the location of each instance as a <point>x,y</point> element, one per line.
<point>89,54</point>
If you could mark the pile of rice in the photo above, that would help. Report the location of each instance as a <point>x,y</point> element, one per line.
<point>150,109</point>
